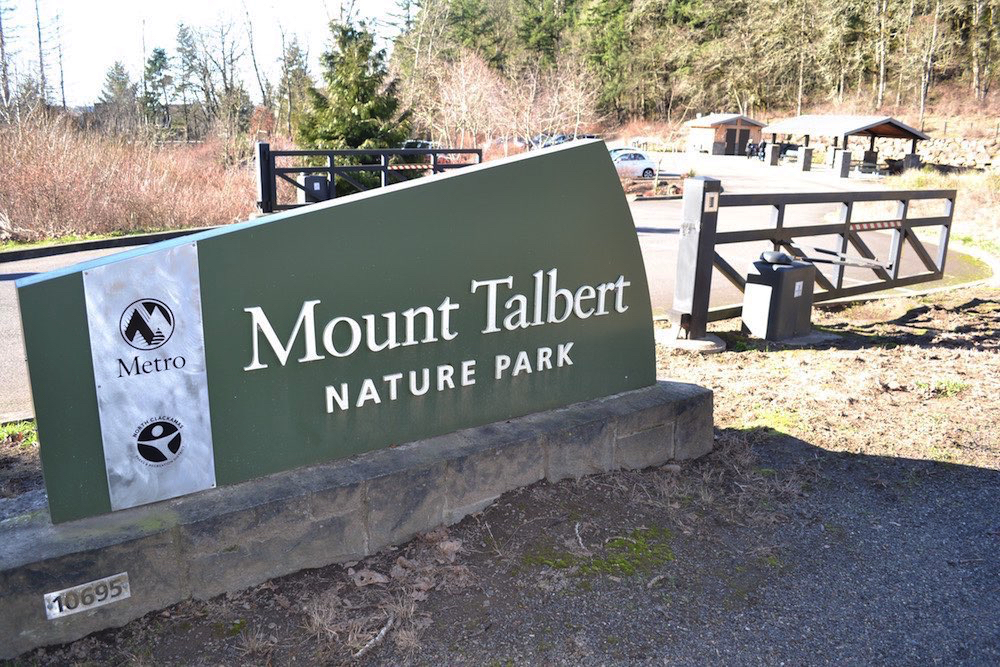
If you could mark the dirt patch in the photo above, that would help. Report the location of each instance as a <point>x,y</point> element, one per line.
<point>847,515</point>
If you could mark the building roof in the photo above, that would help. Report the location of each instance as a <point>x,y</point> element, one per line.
<point>714,119</point>
<point>842,126</point>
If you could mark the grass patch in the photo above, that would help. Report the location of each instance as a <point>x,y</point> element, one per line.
<point>986,245</point>
<point>23,434</point>
<point>774,422</point>
<point>73,238</point>
<point>947,388</point>
<point>639,551</point>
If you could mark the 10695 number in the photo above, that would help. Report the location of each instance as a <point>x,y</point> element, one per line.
<point>87,596</point>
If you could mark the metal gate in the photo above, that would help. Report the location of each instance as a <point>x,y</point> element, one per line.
<point>698,252</point>
<point>391,165</point>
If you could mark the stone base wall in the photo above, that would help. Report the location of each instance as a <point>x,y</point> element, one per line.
<point>233,537</point>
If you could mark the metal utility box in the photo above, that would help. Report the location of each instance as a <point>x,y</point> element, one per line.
<point>317,188</point>
<point>777,301</point>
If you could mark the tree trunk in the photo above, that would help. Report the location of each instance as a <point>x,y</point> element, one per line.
<point>184,108</point>
<point>62,79</point>
<point>906,49</point>
<point>264,97</point>
<point>988,59</point>
<point>802,55</point>
<point>928,69</point>
<point>4,75</point>
<point>883,10</point>
<point>42,86</point>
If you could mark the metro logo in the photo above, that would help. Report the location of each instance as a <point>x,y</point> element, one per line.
<point>147,324</point>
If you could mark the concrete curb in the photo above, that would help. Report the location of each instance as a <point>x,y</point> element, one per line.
<point>234,537</point>
<point>16,417</point>
<point>659,198</point>
<point>98,244</point>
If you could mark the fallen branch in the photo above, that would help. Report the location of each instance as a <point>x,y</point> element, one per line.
<point>376,639</point>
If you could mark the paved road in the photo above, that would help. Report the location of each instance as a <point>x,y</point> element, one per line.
<point>15,392</point>
<point>656,222</point>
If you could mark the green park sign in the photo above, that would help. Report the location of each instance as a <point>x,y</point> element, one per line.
<point>454,301</point>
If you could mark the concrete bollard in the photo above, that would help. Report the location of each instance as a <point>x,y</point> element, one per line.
<point>805,158</point>
<point>771,154</point>
<point>842,163</point>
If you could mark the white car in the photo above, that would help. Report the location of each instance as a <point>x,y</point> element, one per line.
<point>634,164</point>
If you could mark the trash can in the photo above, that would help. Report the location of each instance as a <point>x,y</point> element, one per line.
<point>777,301</point>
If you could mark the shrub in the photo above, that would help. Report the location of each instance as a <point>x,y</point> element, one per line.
<point>57,180</point>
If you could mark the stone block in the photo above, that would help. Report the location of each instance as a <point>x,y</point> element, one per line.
<point>405,503</point>
<point>644,449</point>
<point>694,433</point>
<point>485,471</point>
<point>253,542</point>
<point>585,449</point>
<point>157,579</point>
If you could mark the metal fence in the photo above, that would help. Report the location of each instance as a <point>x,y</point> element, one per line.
<point>698,251</point>
<point>391,165</point>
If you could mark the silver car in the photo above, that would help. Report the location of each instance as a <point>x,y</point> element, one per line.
<point>634,164</point>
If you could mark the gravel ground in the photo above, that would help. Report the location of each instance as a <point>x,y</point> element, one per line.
<point>847,516</point>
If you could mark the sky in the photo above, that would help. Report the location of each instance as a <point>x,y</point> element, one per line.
<point>96,33</point>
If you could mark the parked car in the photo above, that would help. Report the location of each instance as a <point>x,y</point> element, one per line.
<point>563,138</point>
<point>634,164</point>
<point>558,139</point>
<point>538,140</point>
<point>418,143</point>
<point>515,143</point>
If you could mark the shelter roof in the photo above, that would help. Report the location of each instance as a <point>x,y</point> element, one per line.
<point>842,126</point>
<point>714,119</point>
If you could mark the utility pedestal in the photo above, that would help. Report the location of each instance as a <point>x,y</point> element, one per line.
<point>772,153</point>
<point>805,158</point>
<point>777,301</point>
<point>842,163</point>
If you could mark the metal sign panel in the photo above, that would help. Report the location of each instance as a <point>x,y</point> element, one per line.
<point>148,351</point>
<point>415,310</point>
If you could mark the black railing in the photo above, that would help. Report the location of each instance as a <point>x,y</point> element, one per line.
<point>391,165</point>
<point>698,252</point>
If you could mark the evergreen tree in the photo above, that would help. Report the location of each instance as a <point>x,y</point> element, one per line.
<point>358,108</point>
<point>158,83</point>
<point>119,101</point>
<point>184,83</point>
<point>293,87</point>
<point>542,25</point>
<point>475,25</point>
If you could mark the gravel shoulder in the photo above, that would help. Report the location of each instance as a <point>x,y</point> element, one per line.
<point>848,515</point>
